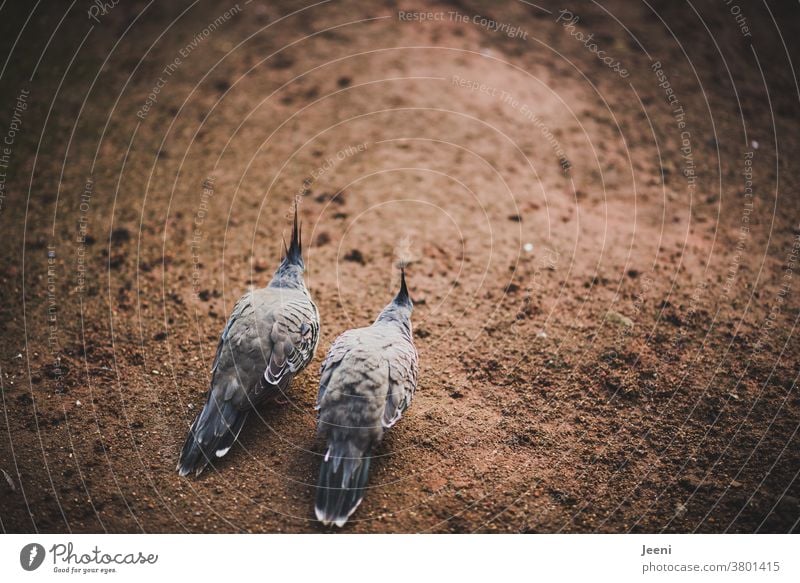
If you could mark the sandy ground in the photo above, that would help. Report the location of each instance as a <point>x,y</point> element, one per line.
<point>605,276</point>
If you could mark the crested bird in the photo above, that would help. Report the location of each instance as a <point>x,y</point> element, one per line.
<point>270,337</point>
<point>367,382</point>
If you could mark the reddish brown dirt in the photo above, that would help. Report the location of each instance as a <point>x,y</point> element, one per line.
<point>634,371</point>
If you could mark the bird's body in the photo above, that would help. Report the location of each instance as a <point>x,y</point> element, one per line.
<point>368,380</point>
<point>270,337</point>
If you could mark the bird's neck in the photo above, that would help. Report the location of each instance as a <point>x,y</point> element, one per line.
<point>284,282</point>
<point>396,321</point>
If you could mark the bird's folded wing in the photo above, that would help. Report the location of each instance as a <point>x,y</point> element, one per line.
<point>402,382</point>
<point>304,345</point>
<point>341,346</point>
<point>293,338</point>
<point>243,306</point>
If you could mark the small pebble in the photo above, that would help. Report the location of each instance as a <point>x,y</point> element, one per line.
<point>528,247</point>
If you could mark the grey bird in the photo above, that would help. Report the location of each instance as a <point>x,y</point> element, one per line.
<point>368,380</point>
<point>270,337</point>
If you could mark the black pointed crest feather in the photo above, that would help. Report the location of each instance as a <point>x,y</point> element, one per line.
<point>402,296</point>
<point>294,254</point>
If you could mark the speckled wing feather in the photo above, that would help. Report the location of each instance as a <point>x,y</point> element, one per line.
<point>293,337</point>
<point>367,380</point>
<point>341,346</point>
<point>243,306</point>
<point>403,369</point>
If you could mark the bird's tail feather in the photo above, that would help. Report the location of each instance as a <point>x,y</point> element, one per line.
<point>211,436</point>
<point>342,478</point>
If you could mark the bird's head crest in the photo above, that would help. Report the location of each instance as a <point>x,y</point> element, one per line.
<point>294,253</point>
<point>290,271</point>
<point>402,298</point>
<point>400,308</point>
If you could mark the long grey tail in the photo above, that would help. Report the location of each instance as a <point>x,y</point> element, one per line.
<point>211,436</point>
<point>342,478</point>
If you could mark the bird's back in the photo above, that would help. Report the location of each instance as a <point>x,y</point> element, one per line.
<point>359,379</point>
<point>262,320</point>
